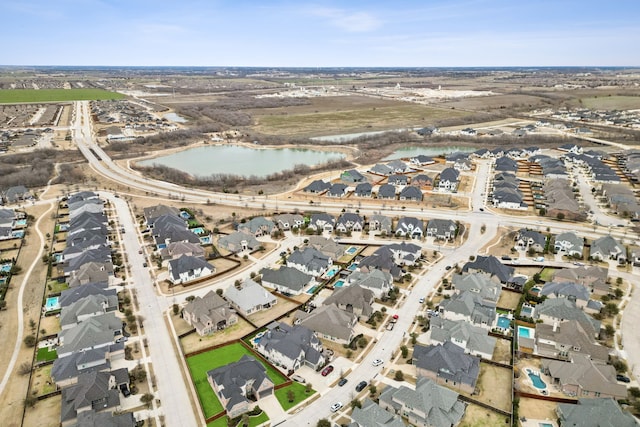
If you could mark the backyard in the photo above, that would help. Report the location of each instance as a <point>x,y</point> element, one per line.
<point>494,386</point>
<point>194,342</point>
<point>299,395</point>
<point>477,416</point>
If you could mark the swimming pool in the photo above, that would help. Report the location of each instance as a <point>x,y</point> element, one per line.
<point>339,284</point>
<point>545,425</point>
<point>332,272</point>
<point>63,227</point>
<point>52,303</point>
<point>57,257</point>
<point>535,290</point>
<point>21,222</point>
<point>18,233</point>
<point>525,332</point>
<point>5,268</point>
<point>185,215</point>
<point>205,240</point>
<point>162,245</point>
<point>536,380</point>
<point>198,230</point>
<point>504,322</point>
<point>352,250</point>
<point>312,290</point>
<point>526,310</point>
<point>352,267</point>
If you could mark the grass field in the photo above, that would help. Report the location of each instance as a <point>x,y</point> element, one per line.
<point>253,421</point>
<point>477,416</point>
<point>55,95</point>
<point>612,102</point>
<point>203,362</point>
<point>298,390</point>
<point>44,355</point>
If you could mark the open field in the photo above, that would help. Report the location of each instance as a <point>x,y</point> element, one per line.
<point>203,362</point>
<point>45,413</point>
<point>55,95</point>
<point>336,121</point>
<point>611,102</point>
<point>502,351</point>
<point>477,416</point>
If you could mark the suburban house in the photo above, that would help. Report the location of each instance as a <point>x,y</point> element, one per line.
<point>491,266</point>
<point>329,247</point>
<point>17,194</point>
<point>398,166</point>
<point>594,412</point>
<point>505,164</point>
<point>563,340</point>
<point>329,322</point>
<point>258,226</point>
<point>405,253</point>
<point>353,299</point>
<point>444,229</point>
<point>398,180</point>
<point>381,169</point>
<point>93,418</point>
<point>462,165</point>
<point>238,385</point>
<point>7,218</point>
<point>558,310</point>
<point>448,180</point>
<point>188,268</point>
<point>422,181</point>
<point>379,282</point>
<point>584,377</point>
<point>470,307</point>
<point>286,280</point>
<point>250,297</point>
<point>411,227</point>
<point>422,160</point>
<point>309,261</point>
<point>238,242</point>
<point>290,346</point>
<point>607,247</point>
<point>569,243</point>
<point>379,222</point>
<point>154,212</point>
<point>447,364</point>
<point>352,176</point>
<point>178,249</point>
<point>318,186</point>
<point>66,370</point>
<point>478,283</point>
<point>289,221</point>
<point>577,293</point>
<point>85,308</point>
<point>69,296</point>
<point>95,332</point>
<point>337,190</point>
<point>90,272</point>
<point>94,391</point>
<point>322,221</point>
<point>363,189</point>
<point>372,414</point>
<point>387,191</point>
<point>593,277</point>
<point>473,339</point>
<point>349,221</point>
<point>429,405</point>
<point>411,193</point>
<point>531,240</point>
<point>209,314</point>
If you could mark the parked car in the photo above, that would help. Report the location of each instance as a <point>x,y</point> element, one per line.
<point>505,258</point>
<point>342,382</point>
<point>326,371</point>
<point>421,300</point>
<point>377,362</point>
<point>336,407</point>
<point>395,317</point>
<point>622,378</point>
<point>361,385</point>
<point>298,378</point>
<point>390,326</point>
<point>448,267</point>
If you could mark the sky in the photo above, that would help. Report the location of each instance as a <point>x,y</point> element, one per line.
<point>290,33</point>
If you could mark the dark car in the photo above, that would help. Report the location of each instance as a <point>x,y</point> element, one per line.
<point>505,258</point>
<point>448,267</point>
<point>326,371</point>
<point>361,385</point>
<point>342,382</point>
<point>623,379</point>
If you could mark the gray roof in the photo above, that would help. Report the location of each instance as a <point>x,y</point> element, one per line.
<point>317,186</point>
<point>471,305</point>
<point>359,298</point>
<point>90,272</point>
<point>440,227</point>
<point>88,305</point>
<point>211,306</point>
<point>372,415</point>
<point>311,258</point>
<point>94,332</point>
<point>92,390</point>
<point>288,277</point>
<point>291,341</point>
<point>506,164</point>
<point>105,419</point>
<point>572,335</point>
<point>233,378</point>
<point>535,237</point>
<point>576,242</point>
<point>188,263</point>
<point>153,212</point>
<point>448,361</point>
<point>441,405</point>
<point>70,296</point>
<point>565,309</point>
<point>175,249</point>
<point>449,174</point>
<point>374,279</point>
<point>234,241</point>
<point>599,412</point>
<point>477,339</point>
<point>71,366</point>
<point>492,266</point>
<point>250,295</point>
<point>337,190</point>
<point>384,221</point>
<point>363,189</point>
<point>349,219</point>
<point>607,245</point>
<point>382,169</point>
<point>256,224</point>
<point>565,289</point>
<point>411,193</point>
<point>398,179</point>
<point>329,320</point>
<point>478,283</point>
<point>387,191</point>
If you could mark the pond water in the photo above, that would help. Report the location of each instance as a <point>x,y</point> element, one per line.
<point>173,117</point>
<point>427,151</point>
<point>238,160</point>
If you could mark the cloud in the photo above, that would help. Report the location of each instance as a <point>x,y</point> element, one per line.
<point>354,22</point>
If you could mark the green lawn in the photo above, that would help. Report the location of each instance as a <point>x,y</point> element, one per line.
<point>547,274</point>
<point>298,390</point>
<point>253,421</point>
<point>203,362</point>
<point>44,355</point>
<point>10,96</point>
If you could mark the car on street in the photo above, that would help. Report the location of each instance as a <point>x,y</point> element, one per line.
<point>326,371</point>
<point>361,385</point>
<point>140,251</point>
<point>421,300</point>
<point>298,378</point>
<point>448,267</point>
<point>505,258</point>
<point>395,317</point>
<point>622,378</point>
<point>144,264</point>
<point>336,407</point>
<point>481,209</point>
<point>342,382</point>
<point>377,362</point>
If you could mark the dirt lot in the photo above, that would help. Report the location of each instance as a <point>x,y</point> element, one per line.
<point>494,386</point>
<point>45,413</point>
<point>509,300</point>
<point>265,317</point>
<point>502,351</point>
<point>193,342</point>
<point>477,416</point>
<point>537,409</point>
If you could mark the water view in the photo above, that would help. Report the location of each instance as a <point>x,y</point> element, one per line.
<point>238,160</point>
<point>173,117</point>
<point>427,151</point>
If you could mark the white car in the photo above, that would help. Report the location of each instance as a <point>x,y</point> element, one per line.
<point>421,300</point>
<point>336,407</point>
<point>377,362</point>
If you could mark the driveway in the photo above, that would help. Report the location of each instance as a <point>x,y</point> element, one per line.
<point>272,407</point>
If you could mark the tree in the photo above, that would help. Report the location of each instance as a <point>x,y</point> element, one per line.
<point>405,351</point>
<point>362,342</point>
<point>373,389</point>
<point>146,399</point>
<point>560,216</point>
<point>24,368</point>
<point>30,341</point>
<point>219,292</point>
<point>323,423</point>
<point>176,309</point>
<point>355,403</point>
<point>30,401</point>
<point>308,388</point>
<point>291,396</point>
<point>244,420</point>
<point>399,376</point>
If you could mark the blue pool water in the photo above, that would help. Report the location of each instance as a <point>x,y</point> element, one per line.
<point>312,290</point>
<point>52,304</point>
<point>5,268</point>
<point>57,257</point>
<point>21,222</point>
<point>205,240</point>
<point>332,272</point>
<point>352,267</point>
<point>535,290</point>
<point>198,230</point>
<point>352,250</point>
<point>524,332</point>
<point>526,310</point>
<point>162,245</point>
<point>504,322</point>
<point>545,425</point>
<point>339,284</point>
<point>536,380</point>
<point>3,280</point>
<point>18,233</point>
<point>185,215</point>
<point>63,227</point>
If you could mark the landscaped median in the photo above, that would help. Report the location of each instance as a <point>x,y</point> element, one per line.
<point>199,364</point>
